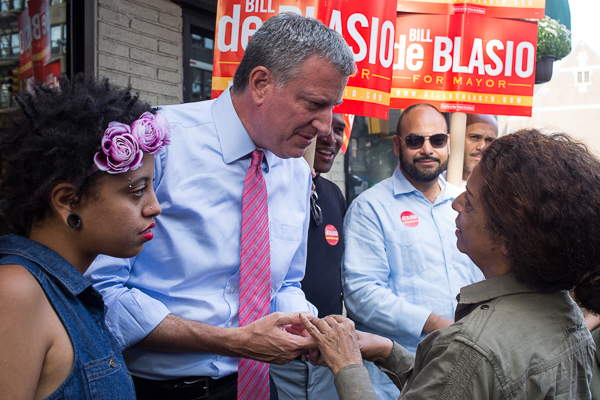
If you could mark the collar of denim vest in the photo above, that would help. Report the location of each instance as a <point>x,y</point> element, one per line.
<point>56,266</point>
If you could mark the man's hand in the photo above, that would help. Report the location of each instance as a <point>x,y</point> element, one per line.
<point>276,338</point>
<point>265,339</point>
<point>337,340</point>
<point>435,322</point>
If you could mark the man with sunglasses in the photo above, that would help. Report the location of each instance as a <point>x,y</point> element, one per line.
<point>402,270</point>
<point>299,379</point>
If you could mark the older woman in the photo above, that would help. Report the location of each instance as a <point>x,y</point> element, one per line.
<point>530,220</point>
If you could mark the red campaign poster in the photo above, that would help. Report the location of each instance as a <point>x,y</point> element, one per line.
<point>367,27</point>
<point>26,67</point>
<point>516,9</point>
<point>349,121</point>
<point>52,72</point>
<point>39,17</point>
<point>237,20</point>
<point>464,63</point>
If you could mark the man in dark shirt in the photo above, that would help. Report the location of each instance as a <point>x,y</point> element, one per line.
<point>299,380</point>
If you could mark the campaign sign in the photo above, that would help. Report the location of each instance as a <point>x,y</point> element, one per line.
<point>464,63</point>
<point>516,9</point>
<point>39,17</point>
<point>369,29</point>
<point>26,67</point>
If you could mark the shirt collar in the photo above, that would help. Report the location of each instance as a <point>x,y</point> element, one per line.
<point>501,285</point>
<point>403,186</point>
<point>234,139</point>
<point>48,259</point>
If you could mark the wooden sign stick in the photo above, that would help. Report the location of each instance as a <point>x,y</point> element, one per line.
<point>458,127</point>
<point>309,154</point>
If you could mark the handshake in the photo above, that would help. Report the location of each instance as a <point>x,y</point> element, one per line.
<point>331,341</point>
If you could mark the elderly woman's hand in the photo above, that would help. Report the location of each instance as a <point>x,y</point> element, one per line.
<point>373,347</point>
<point>337,340</point>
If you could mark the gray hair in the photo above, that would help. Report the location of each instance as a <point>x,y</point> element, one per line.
<point>284,42</point>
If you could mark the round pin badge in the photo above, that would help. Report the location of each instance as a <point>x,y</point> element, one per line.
<point>409,219</point>
<point>331,235</point>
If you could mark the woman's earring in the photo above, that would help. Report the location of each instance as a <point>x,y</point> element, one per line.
<point>74,220</point>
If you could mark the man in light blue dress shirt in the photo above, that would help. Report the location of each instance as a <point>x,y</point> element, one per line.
<point>174,308</point>
<point>402,269</point>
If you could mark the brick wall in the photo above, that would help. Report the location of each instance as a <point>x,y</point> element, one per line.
<point>336,174</point>
<point>140,43</point>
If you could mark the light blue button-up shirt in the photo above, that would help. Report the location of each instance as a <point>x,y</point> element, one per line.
<point>401,261</point>
<point>191,268</point>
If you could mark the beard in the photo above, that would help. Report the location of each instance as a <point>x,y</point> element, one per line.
<point>411,169</point>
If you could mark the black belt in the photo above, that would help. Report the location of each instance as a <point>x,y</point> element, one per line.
<point>191,387</point>
<point>301,357</point>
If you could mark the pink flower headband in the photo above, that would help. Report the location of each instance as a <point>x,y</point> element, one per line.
<point>123,146</point>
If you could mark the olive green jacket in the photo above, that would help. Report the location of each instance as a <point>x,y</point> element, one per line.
<point>596,373</point>
<point>509,342</point>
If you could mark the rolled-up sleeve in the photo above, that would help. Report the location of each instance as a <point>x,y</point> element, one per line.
<point>353,383</point>
<point>130,314</point>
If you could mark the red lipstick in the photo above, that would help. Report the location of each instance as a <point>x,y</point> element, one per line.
<point>148,234</point>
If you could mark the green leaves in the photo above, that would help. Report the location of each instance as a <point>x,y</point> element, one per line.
<point>554,39</point>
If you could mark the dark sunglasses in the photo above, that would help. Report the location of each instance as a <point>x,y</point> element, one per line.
<point>415,141</point>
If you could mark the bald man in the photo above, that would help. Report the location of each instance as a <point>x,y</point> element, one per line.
<point>481,131</point>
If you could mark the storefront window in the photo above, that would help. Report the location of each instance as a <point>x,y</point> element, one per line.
<point>198,48</point>
<point>201,67</point>
<point>6,5</point>
<point>12,78</point>
<point>59,38</point>
<point>370,157</point>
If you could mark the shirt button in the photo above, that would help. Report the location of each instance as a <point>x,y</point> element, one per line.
<point>112,363</point>
<point>229,324</point>
<point>484,307</point>
<point>218,358</point>
<point>232,289</point>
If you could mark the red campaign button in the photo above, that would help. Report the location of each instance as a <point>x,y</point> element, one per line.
<point>409,219</point>
<point>331,235</point>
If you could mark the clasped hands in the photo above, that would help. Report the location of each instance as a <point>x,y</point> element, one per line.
<point>331,341</point>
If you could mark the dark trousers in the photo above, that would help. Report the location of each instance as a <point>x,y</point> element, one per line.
<point>191,388</point>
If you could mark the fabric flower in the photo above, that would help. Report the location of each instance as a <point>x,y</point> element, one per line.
<point>152,132</point>
<point>120,150</point>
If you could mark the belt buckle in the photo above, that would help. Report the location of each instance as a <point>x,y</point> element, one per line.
<point>194,382</point>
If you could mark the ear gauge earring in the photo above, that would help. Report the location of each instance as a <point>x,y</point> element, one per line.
<point>74,220</point>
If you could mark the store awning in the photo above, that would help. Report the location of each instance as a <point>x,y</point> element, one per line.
<point>559,10</point>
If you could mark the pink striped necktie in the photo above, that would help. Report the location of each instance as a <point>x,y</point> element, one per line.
<point>255,275</point>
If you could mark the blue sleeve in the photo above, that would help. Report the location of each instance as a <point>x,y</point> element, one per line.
<point>130,314</point>
<point>366,278</point>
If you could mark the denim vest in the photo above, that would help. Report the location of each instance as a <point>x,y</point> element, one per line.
<point>99,371</point>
